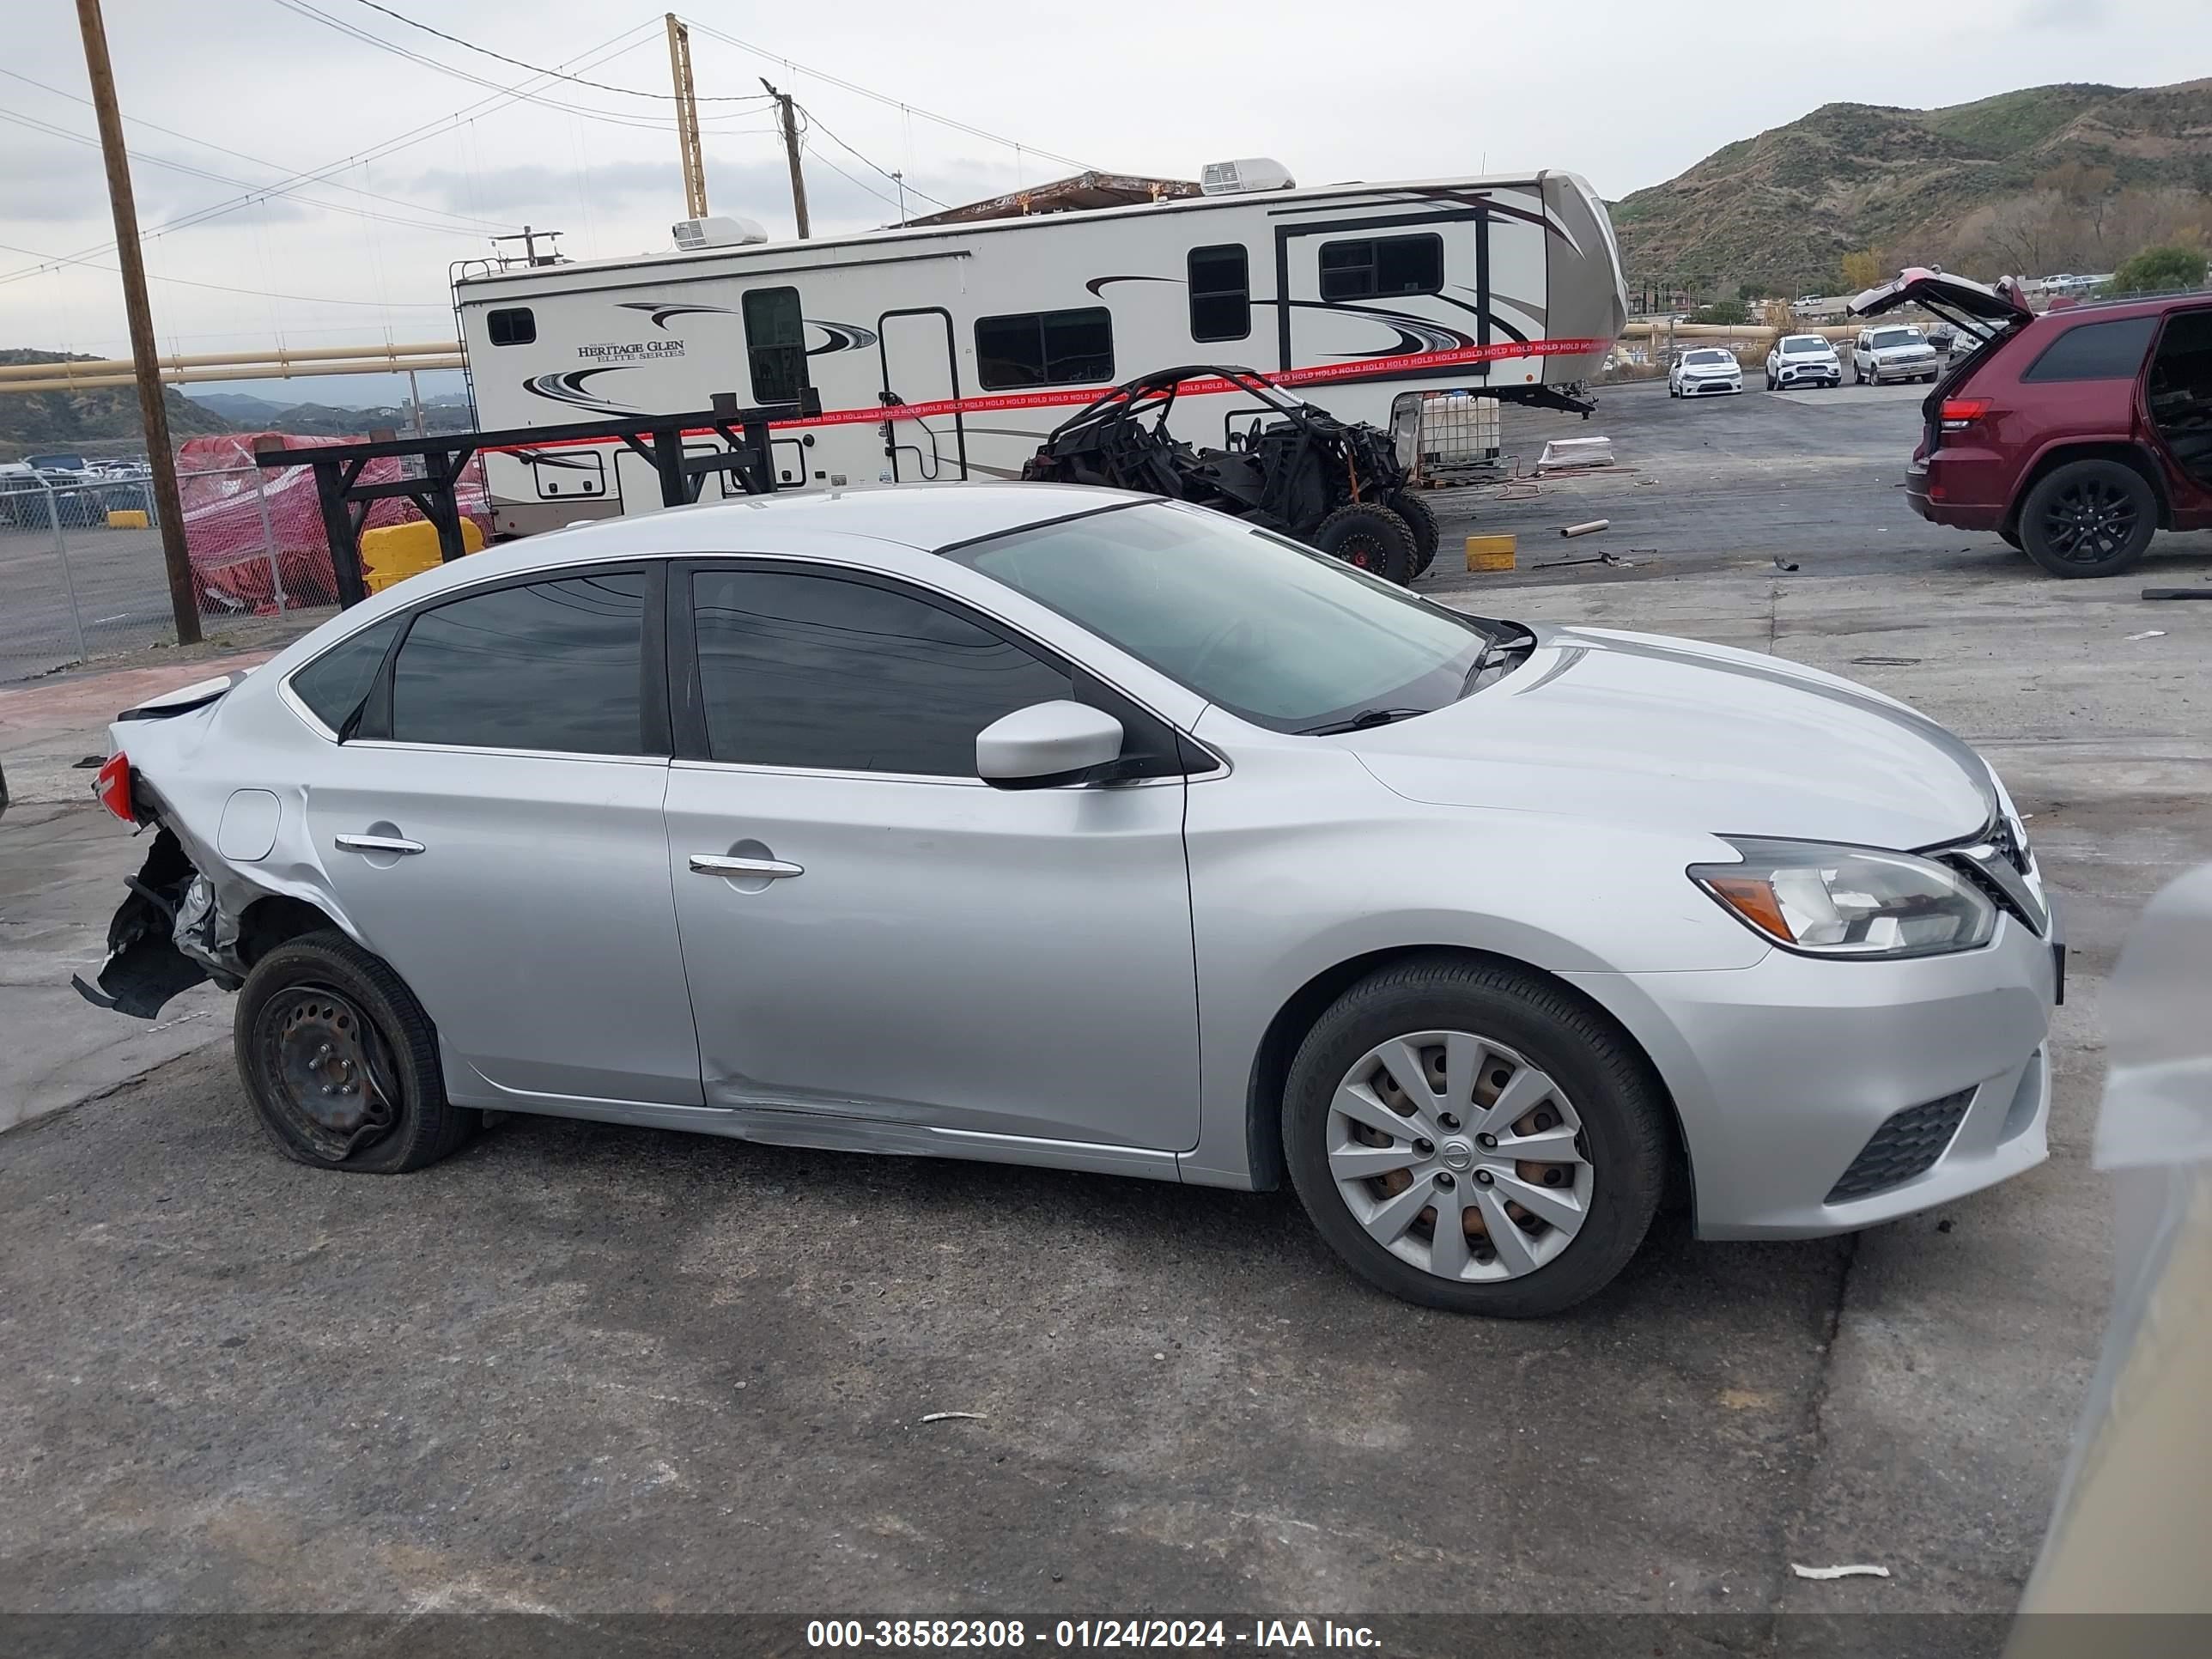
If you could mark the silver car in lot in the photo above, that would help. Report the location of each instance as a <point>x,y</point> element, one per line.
<point>1064,827</point>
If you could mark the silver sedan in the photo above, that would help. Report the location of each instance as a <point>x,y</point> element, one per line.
<point>1063,827</point>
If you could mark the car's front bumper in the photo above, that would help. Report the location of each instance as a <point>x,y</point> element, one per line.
<point>1826,375</point>
<point>1783,1073</point>
<point>1706,388</point>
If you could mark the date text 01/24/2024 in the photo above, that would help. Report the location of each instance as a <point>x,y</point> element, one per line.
<point>1009,1635</point>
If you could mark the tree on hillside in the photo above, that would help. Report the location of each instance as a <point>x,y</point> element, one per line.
<point>2157,269</point>
<point>1862,270</point>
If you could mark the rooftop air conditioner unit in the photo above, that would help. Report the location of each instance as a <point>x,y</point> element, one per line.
<point>1237,177</point>
<point>717,232</point>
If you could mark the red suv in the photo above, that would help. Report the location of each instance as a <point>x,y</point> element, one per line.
<point>2073,435</point>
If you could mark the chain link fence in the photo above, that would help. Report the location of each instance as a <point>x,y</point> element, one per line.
<point>82,575</point>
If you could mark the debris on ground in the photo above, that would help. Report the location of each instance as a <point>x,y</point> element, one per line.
<point>1857,1569</point>
<point>2147,634</point>
<point>1573,454</point>
<point>941,1417</point>
<point>1590,527</point>
<point>1614,559</point>
<point>2177,593</point>
<point>1781,563</point>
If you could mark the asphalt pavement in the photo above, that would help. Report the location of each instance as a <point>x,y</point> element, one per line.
<point>582,1369</point>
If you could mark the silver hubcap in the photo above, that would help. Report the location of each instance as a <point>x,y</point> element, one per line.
<point>1459,1157</point>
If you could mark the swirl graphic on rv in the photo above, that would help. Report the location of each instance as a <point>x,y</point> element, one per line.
<point>567,387</point>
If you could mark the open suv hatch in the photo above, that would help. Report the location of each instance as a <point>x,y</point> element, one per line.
<point>2075,434</point>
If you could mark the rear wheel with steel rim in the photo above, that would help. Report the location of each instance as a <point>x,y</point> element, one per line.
<point>1476,1138</point>
<point>2088,518</point>
<point>342,1062</point>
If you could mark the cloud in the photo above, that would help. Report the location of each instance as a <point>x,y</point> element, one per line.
<point>2064,14</point>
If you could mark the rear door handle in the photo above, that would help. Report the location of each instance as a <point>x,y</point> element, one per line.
<point>377,844</point>
<point>715,864</point>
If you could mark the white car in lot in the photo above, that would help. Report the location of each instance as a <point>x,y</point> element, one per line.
<point>1803,360</point>
<point>1703,372</point>
<point>1893,351</point>
<point>1064,827</point>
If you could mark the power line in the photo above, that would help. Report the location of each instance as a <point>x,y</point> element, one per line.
<point>814,120</point>
<point>303,9</point>
<point>225,288</point>
<point>352,190</point>
<point>603,86</point>
<point>857,184</point>
<point>606,51</point>
<point>257,192</point>
<point>881,98</point>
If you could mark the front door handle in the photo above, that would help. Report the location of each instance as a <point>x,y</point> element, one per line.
<point>377,844</point>
<point>717,863</point>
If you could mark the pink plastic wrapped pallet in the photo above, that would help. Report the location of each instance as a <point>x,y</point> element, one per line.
<point>255,534</point>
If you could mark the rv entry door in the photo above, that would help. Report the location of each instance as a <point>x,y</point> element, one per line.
<point>921,365</point>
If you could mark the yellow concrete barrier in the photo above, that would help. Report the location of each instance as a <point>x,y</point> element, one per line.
<point>394,552</point>
<point>127,518</point>
<point>1490,552</point>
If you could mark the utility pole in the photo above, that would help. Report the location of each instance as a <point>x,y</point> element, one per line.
<point>140,315</point>
<point>687,119</point>
<point>791,152</point>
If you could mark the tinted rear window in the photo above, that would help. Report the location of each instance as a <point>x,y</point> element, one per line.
<point>2096,351</point>
<point>335,684</point>
<point>555,665</point>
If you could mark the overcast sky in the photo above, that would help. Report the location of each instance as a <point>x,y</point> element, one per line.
<point>1375,91</point>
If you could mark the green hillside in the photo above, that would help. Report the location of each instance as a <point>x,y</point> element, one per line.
<point>32,421</point>
<point>2070,177</point>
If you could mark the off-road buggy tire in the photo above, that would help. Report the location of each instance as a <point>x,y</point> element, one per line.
<point>1421,519</point>
<point>1371,538</point>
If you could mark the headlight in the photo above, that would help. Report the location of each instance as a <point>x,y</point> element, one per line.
<point>1849,901</point>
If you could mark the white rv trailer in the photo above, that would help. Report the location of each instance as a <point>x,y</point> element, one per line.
<point>948,351</point>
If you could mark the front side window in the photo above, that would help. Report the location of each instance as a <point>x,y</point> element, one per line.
<point>336,684</point>
<point>776,344</point>
<point>553,666</point>
<point>1382,265</point>
<point>2096,351</point>
<point>1276,633</point>
<point>1045,348</point>
<point>516,326</point>
<point>1220,293</point>
<point>821,673</point>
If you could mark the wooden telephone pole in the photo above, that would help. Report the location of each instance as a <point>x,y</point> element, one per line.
<point>791,152</point>
<point>140,315</point>
<point>687,119</point>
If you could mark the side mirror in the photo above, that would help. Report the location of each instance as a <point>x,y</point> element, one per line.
<point>1048,744</point>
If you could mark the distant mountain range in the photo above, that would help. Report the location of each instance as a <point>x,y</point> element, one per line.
<point>32,421</point>
<point>2047,178</point>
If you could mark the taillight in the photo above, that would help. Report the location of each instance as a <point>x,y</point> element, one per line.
<point>113,788</point>
<point>1957,414</point>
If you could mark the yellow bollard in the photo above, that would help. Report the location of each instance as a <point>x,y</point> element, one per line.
<point>1490,552</point>
<point>127,518</point>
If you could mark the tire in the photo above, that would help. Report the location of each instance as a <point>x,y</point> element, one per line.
<point>1587,1089</point>
<point>1421,519</point>
<point>1370,537</point>
<point>320,1020</point>
<point>2088,518</point>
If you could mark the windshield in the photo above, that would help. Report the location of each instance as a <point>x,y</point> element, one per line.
<point>1886,338</point>
<point>1800,344</point>
<point>1709,357</point>
<point>1275,633</point>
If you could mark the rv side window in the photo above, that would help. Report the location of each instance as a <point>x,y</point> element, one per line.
<point>775,342</point>
<point>1386,265</point>
<point>1220,293</point>
<point>1044,348</point>
<point>515,327</point>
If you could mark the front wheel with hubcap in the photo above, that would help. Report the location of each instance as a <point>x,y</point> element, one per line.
<point>2088,518</point>
<point>340,1062</point>
<point>1371,536</point>
<point>1474,1138</point>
